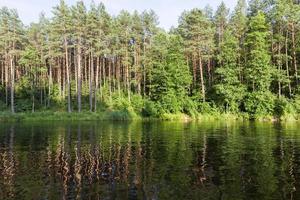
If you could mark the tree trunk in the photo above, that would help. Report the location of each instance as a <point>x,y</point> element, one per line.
<point>127,75</point>
<point>287,63</point>
<point>91,70</point>
<point>50,84</point>
<point>6,80</point>
<point>68,77</point>
<point>97,84</point>
<point>201,78</point>
<point>79,75</point>
<point>12,84</point>
<point>294,53</point>
<point>109,78</point>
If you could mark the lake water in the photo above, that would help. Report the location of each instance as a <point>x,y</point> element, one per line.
<point>149,160</point>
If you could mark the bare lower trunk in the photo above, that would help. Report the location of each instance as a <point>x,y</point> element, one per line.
<point>79,77</point>
<point>12,84</point>
<point>91,76</point>
<point>202,79</point>
<point>287,64</point>
<point>294,54</point>
<point>68,77</point>
<point>96,85</point>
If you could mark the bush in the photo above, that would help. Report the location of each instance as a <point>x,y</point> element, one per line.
<point>190,107</point>
<point>259,104</point>
<point>296,104</point>
<point>3,106</point>
<point>150,109</point>
<point>137,103</point>
<point>23,105</point>
<point>283,107</point>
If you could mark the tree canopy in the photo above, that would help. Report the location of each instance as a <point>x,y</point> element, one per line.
<point>84,58</point>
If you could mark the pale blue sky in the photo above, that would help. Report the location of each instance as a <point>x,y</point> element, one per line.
<point>167,10</point>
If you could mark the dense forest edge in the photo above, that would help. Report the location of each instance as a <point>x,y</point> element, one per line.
<point>85,64</point>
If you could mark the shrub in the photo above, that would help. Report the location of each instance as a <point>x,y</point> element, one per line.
<point>260,104</point>
<point>296,104</point>
<point>283,107</point>
<point>150,109</point>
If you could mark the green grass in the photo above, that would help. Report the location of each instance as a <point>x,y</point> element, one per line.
<point>125,115</point>
<point>64,116</point>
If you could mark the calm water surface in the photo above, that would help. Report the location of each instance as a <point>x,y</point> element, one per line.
<point>157,160</point>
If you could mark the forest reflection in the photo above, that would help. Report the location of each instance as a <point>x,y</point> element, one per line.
<point>150,160</point>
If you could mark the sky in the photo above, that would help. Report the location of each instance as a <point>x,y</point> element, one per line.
<point>168,11</point>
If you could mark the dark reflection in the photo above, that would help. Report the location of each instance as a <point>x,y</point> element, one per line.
<point>158,160</point>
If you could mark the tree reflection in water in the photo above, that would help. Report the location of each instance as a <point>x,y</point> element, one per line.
<point>151,160</point>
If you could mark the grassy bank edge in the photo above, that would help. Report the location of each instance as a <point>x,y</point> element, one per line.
<point>129,116</point>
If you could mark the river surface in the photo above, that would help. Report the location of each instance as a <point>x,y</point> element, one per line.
<point>149,160</point>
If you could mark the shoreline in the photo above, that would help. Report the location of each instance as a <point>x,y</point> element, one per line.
<point>132,116</point>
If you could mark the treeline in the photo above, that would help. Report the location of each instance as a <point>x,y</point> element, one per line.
<point>244,61</point>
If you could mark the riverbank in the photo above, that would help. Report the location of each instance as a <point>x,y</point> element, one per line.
<point>125,115</point>
<point>65,116</point>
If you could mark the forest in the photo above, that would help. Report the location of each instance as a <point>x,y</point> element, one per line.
<point>83,59</point>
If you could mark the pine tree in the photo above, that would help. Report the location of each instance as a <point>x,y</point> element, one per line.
<point>229,88</point>
<point>197,32</point>
<point>30,58</point>
<point>238,23</point>
<point>259,70</point>
<point>220,20</point>
<point>124,29</point>
<point>62,29</point>
<point>12,37</point>
<point>79,28</point>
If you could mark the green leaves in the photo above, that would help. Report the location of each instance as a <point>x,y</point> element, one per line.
<point>229,89</point>
<point>170,75</point>
<point>258,67</point>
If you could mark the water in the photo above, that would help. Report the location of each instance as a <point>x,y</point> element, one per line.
<point>157,160</point>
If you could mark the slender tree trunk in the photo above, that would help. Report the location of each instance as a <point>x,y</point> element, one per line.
<point>279,66</point>
<point>85,72</point>
<point>96,84</point>
<point>104,70</point>
<point>210,79</point>
<point>294,53</point>
<point>113,74</point>
<point>287,63</point>
<point>194,71</point>
<point>32,97</point>
<point>50,84</point>
<point>144,69</point>
<point>76,71</point>
<point>79,74</point>
<point>6,80</point>
<point>12,84</point>
<point>91,70</point>
<point>100,76</point>
<point>127,75</point>
<point>68,76</point>
<point>59,77</point>
<point>109,78</point>
<point>63,79</point>
<point>201,78</point>
<point>118,76</point>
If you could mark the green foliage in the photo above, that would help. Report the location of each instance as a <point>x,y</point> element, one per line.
<point>170,77</point>
<point>259,70</point>
<point>259,104</point>
<point>296,104</point>
<point>230,90</point>
<point>214,63</point>
<point>150,109</point>
<point>283,107</point>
